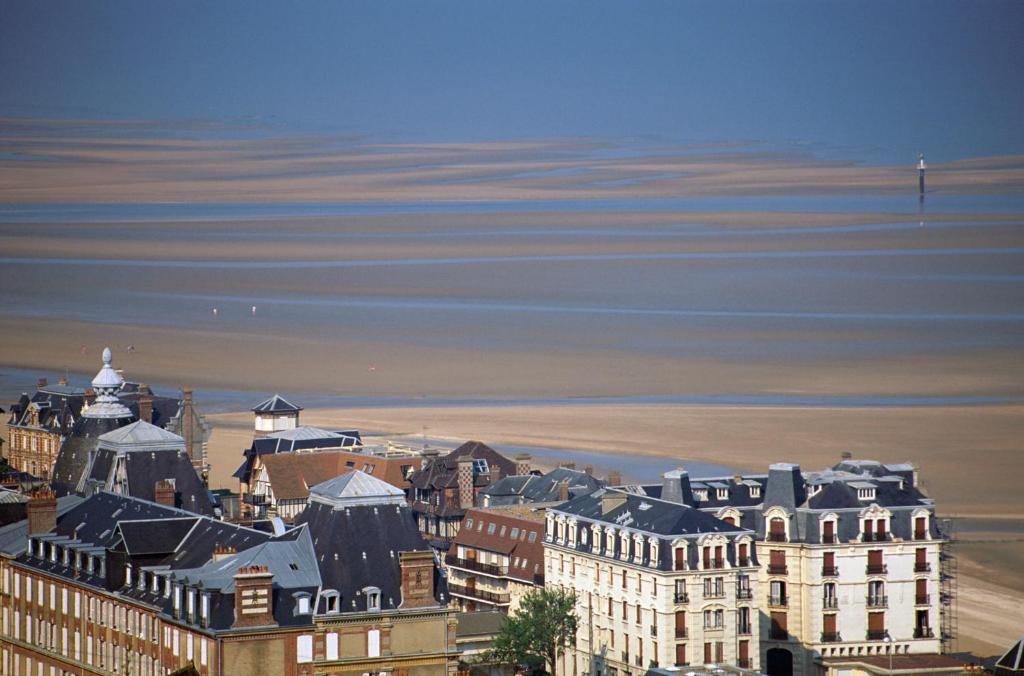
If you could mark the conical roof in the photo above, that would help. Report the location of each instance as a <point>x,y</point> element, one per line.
<point>106,384</point>
<point>355,489</point>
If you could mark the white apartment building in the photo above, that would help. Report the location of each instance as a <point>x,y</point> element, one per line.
<point>659,584</point>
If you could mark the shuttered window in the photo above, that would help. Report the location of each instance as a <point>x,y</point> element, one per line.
<point>874,557</point>
<point>680,654</point>
<point>829,624</point>
<point>680,559</point>
<point>779,625</point>
<point>830,559</point>
<point>707,653</point>
<point>920,528</point>
<point>829,535</point>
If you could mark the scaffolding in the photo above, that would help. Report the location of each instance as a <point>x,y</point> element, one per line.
<point>948,586</point>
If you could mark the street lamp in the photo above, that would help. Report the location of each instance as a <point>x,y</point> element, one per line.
<point>888,639</point>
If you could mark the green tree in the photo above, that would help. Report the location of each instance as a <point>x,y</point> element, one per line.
<point>539,631</point>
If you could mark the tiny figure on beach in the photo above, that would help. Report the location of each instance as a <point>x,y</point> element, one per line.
<point>215,312</point>
<point>254,309</point>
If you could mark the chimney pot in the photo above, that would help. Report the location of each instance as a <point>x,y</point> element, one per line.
<point>563,490</point>
<point>614,478</point>
<point>588,470</point>
<point>41,383</point>
<point>145,407</point>
<point>522,463</point>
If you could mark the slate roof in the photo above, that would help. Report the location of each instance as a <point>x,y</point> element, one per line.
<point>13,536</point>
<point>356,488</point>
<point>530,488</point>
<point>142,434</point>
<point>373,537</point>
<point>290,441</point>
<point>443,472</point>
<point>73,457</point>
<point>141,538</point>
<point>1012,660</point>
<point>646,514</point>
<point>276,404</point>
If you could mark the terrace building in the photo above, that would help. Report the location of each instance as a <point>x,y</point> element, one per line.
<point>496,558</point>
<point>529,488</point>
<point>659,584</point>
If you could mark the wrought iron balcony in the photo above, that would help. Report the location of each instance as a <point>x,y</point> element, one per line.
<point>875,537</point>
<point>922,599</point>
<point>777,569</point>
<point>715,564</point>
<point>878,635</point>
<point>920,535</point>
<point>714,593</point>
<point>877,569</point>
<point>923,632</point>
<point>479,594</point>
<point>743,629</point>
<point>681,632</point>
<point>776,537</point>
<point>745,663</point>
<point>829,571</point>
<point>878,601</point>
<point>744,562</point>
<point>829,539</point>
<point>470,564</point>
<point>830,602</point>
<point>922,567</point>
<point>682,597</point>
<point>744,593</point>
<point>778,601</point>
<point>830,637</point>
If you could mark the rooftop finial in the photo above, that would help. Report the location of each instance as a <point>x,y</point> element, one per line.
<point>107,356</point>
<point>107,384</point>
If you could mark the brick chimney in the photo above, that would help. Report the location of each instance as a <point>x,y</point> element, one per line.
<point>614,478</point>
<point>222,552</point>
<point>417,579</point>
<point>145,406</point>
<point>42,511</point>
<point>186,420</point>
<point>563,490</point>
<point>41,383</point>
<point>164,493</point>
<point>62,381</point>
<point>465,479</point>
<point>588,470</point>
<point>522,463</point>
<point>568,465</point>
<point>254,597</point>
<point>495,473</point>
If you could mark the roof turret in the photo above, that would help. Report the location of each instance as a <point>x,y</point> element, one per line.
<point>107,383</point>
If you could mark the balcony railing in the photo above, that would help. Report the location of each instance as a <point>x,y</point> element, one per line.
<point>710,564</point>
<point>682,597</point>
<point>830,637</point>
<point>922,599</point>
<point>875,537</point>
<point>877,569</point>
<point>877,635</point>
<point>744,593</point>
<point>255,500</point>
<point>469,564</point>
<point>681,632</point>
<point>745,663</point>
<point>779,601</point>
<point>878,601</point>
<point>830,602</point>
<point>778,635</point>
<point>776,569</point>
<point>828,539</point>
<point>923,632</point>
<point>920,535</point>
<point>776,537</point>
<point>743,629</point>
<point>922,567</point>
<point>829,571</point>
<point>714,593</point>
<point>744,562</point>
<point>480,594</point>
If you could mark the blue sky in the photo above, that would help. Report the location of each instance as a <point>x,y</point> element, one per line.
<point>874,80</point>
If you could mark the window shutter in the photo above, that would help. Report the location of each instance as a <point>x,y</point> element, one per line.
<point>830,624</point>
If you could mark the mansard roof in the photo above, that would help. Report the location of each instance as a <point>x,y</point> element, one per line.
<point>546,488</point>
<point>643,513</point>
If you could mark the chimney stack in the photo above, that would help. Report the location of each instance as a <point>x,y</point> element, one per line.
<point>614,478</point>
<point>62,381</point>
<point>145,406</point>
<point>465,480</point>
<point>588,470</point>
<point>568,465</point>
<point>611,500</point>
<point>41,383</point>
<point>222,552</point>
<point>495,473</point>
<point>846,455</point>
<point>522,463</point>
<point>164,493</point>
<point>427,456</point>
<point>675,487</point>
<point>417,579</point>
<point>42,511</point>
<point>186,421</point>
<point>254,597</point>
<point>563,491</point>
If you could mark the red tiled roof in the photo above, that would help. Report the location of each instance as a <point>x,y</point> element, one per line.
<point>904,663</point>
<point>476,533</point>
<point>292,474</point>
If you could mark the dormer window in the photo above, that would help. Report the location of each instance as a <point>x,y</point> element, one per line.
<point>301,603</point>
<point>755,491</point>
<point>480,466</point>
<point>372,598</point>
<point>701,494</point>
<point>866,493</point>
<point>128,575</point>
<point>723,493</point>
<point>332,602</point>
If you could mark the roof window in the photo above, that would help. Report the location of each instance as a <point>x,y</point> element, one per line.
<point>480,466</point>
<point>491,528</point>
<point>533,536</point>
<point>514,534</point>
<point>469,523</point>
